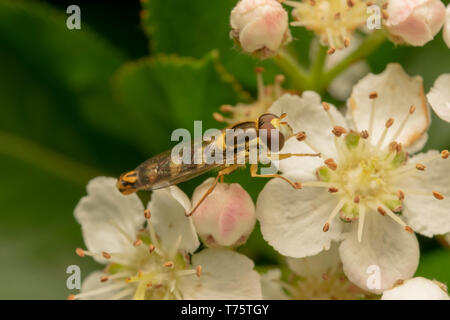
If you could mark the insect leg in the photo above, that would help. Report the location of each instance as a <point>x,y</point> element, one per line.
<point>282,156</point>
<point>253,173</point>
<point>220,175</point>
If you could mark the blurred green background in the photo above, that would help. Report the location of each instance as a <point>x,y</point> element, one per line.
<point>75,104</point>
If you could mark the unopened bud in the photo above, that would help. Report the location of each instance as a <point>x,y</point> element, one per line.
<point>227,215</point>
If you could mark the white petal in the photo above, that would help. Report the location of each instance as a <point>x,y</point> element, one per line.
<point>168,207</point>
<point>93,289</point>
<point>439,96</point>
<point>292,220</point>
<point>385,247</point>
<point>306,113</point>
<point>109,220</point>
<point>271,285</point>
<point>425,214</point>
<point>416,289</point>
<point>323,263</point>
<point>446,29</point>
<point>397,91</point>
<point>226,275</point>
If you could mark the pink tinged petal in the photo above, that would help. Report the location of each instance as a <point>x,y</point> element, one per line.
<point>439,97</point>
<point>385,247</point>
<point>109,220</point>
<point>397,92</point>
<point>415,21</point>
<point>226,275</point>
<point>417,289</point>
<point>226,217</point>
<point>446,32</point>
<point>167,207</point>
<point>292,220</point>
<point>325,262</point>
<point>422,211</point>
<point>307,114</point>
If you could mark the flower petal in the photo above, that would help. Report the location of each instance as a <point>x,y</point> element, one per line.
<point>446,29</point>
<point>271,285</point>
<point>306,113</point>
<point>292,220</point>
<point>168,207</point>
<point>416,289</point>
<point>94,289</point>
<point>109,220</point>
<point>325,262</point>
<point>397,91</point>
<point>426,214</point>
<point>439,97</point>
<point>385,246</point>
<point>226,275</point>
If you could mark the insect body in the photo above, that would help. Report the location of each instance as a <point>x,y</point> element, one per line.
<point>162,170</point>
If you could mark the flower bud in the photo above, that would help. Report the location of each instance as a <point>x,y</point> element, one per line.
<point>226,217</point>
<point>446,33</point>
<point>260,27</point>
<point>417,289</point>
<point>414,22</point>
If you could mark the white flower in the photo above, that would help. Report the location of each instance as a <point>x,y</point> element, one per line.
<point>414,21</point>
<point>446,32</point>
<point>226,217</point>
<point>153,262</point>
<point>417,289</point>
<point>260,26</point>
<point>365,177</point>
<point>334,21</point>
<point>318,277</point>
<point>439,97</point>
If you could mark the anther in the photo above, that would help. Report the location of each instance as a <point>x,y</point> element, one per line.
<point>444,154</point>
<point>71,297</point>
<point>168,264</point>
<point>409,229</point>
<point>400,195</point>
<point>393,146</point>
<point>389,123</point>
<point>79,252</point>
<point>151,248</point>
<point>373,95</point>
<point>338,131</point>
<point>381,211</point>
<point>147,214</point>
<point>259,70</point>
<point>331,50</point>
<point>346,42</point>
<point>356,199</point>
<point>326,106</point>
<point>279,78</point>
<point>364,134</point>
<point>218,117</point>
<point>412,109</point>
<point>106,255</point>
<point>199,271</point>
<point>104,278</point>
<point>420,167</point>
<point>399,147</point>
<point>312,2</point>
<point>140,274</point>
<point>226,108</point>
<point>149,284</point>
<point>301,136</point>
<point>331,164</point>
<point>438,195</point>
<point>337,15</point>
<point>298,185</point>
<point>350,3</point>
<point>333,190</point>
<point>137,243</point>
<point>326,227</point>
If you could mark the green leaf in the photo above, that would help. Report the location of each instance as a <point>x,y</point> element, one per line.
<point>168,92</point>
<point>435,265</point>
<point>195,27</point>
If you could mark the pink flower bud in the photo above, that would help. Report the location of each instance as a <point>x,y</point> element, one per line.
<point>446,33</point>
<point>226,217</point>
<point>260,26</point>
<point>414,22</point>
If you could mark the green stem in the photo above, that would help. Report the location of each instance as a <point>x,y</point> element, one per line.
<point>292,69</point>
<point>371,43</point>
<point>34,154</point>
<point>318,66</point>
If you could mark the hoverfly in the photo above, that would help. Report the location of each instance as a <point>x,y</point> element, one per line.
<point>161,171</point>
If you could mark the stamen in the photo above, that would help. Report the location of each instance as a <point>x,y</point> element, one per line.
<point>326,107</point>
<point>364,134</point>
<point>357,199</point>
<point>106,255</point>
<point>104,278</point>
<point>372,96</point>
<point>80,252</point>
<point>151,248</point>
<point>199,271</point>
<point>362,215</point>
<point>333,190</point>
<point>331,50</point>
<point>391,214</point>
<point>330,163</point>
<point>218,117</point>
<point>383,135</point>
<point>381,211</point>
<point>338,131</point>
<point>438,195</point>
<point>226,108</point>
<point>147,214</point>
<point>333,214</point>
<point>137,243</point>
<point>412,109</point>
<point>420,167</point>
<point>401,195</point>
<point>71,297</point>
<point>444,154</point>
<point>168,264</point>
<point>300,136</point>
